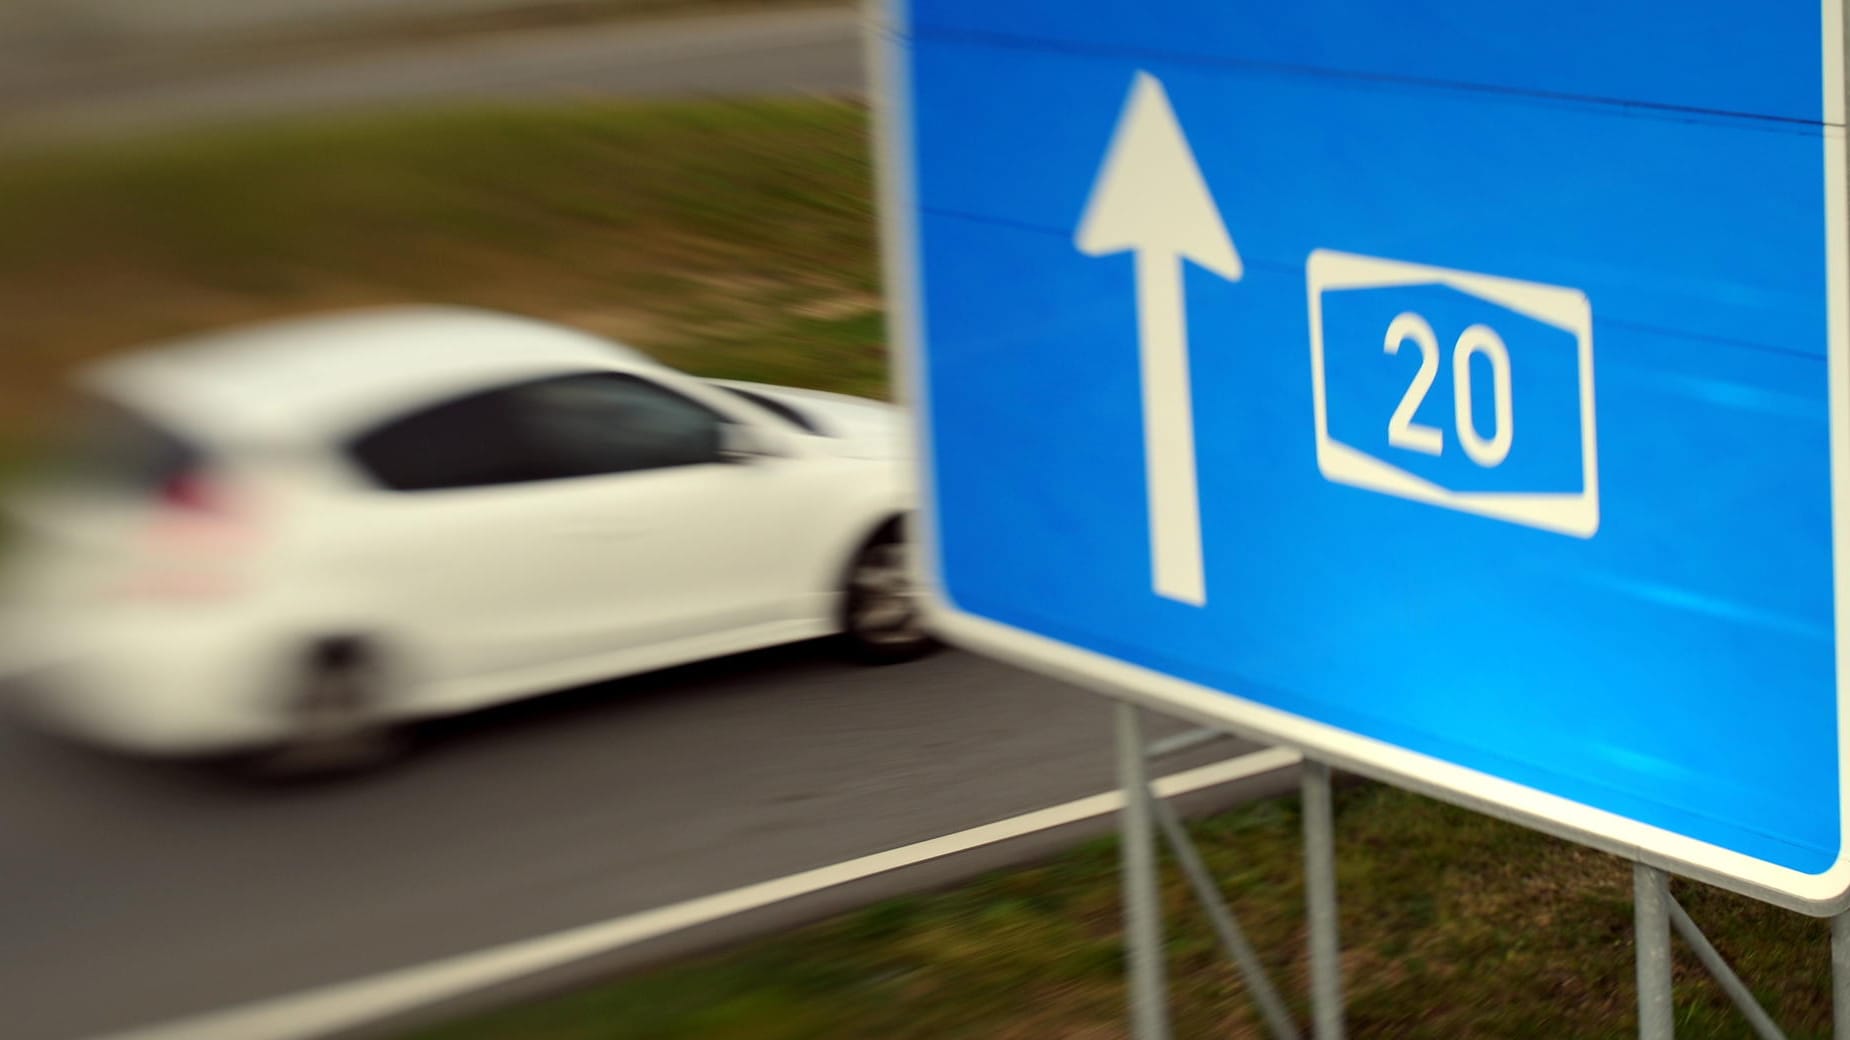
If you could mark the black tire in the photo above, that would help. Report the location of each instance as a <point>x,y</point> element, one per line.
<point>338,727</point>
<point>882,620</point>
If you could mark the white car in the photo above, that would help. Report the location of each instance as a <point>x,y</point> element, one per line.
<point>287,539</point>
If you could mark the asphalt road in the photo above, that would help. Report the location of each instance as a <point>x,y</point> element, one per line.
<point>803,50</point>
<point>133,895</point>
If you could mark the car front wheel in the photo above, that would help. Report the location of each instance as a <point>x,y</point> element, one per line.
<point>882,620</point>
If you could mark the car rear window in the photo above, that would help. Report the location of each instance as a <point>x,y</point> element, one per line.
<point>467,442</point>
<point>109,446</point>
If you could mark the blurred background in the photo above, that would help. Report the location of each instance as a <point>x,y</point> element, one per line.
<point>175,167</point>
<point>688,177</point>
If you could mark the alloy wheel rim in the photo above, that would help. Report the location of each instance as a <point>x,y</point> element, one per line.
<point>886,607</point>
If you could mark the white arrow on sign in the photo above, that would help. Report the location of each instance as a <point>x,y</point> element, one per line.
<point>1150,199</point>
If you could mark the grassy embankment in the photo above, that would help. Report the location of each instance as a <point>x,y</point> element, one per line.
<point>1453,925</point>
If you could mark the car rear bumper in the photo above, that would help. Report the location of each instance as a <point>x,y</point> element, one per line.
<point>158,690</point>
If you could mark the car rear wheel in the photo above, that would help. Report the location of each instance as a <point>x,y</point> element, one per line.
<point>882,620</point>
<point>336,725</point>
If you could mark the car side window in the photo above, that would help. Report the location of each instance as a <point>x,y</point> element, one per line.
<point>467,442</point>
<point>550,429</point>
<point>613,423</point>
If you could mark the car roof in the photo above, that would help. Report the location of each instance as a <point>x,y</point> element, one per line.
<point>332,373</point>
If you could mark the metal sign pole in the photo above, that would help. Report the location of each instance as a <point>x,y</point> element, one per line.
<point>1326,972</point>
<point>1724,976</point>
<point>1143,916</point>
<point>1651,910</point>
<point>1840,976</point>
<point>1271,1006</point>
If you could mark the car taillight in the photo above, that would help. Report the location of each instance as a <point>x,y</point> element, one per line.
<point>191,493</point>
<point>197,544</point>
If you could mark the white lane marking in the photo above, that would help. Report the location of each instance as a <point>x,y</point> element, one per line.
<point>345,1005</point>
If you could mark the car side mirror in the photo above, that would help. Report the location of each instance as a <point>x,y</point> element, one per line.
<point>739,443</point>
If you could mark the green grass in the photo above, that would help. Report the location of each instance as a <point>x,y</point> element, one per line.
<point>1453,925</point>
<point>728,238</point>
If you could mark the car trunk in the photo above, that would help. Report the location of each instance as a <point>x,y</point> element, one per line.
<point>120,508</point>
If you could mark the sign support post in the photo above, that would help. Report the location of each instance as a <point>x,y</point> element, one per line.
<point>1326,970</point>
<point>1840,976</point>
<point>1657,916</point>
<point>1757,1019</point>
<point>1656,1013</point>
<point>1143,920</point>
<point>1226,927</point>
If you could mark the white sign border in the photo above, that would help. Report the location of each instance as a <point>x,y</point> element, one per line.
<point>1820,894</point>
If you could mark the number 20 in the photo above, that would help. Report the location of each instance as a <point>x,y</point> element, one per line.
<point>1403,432</point>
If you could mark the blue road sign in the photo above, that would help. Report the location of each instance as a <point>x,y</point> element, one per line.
<point>1454,390</point>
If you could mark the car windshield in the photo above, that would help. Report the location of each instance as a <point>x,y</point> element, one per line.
<point>788,414</point>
